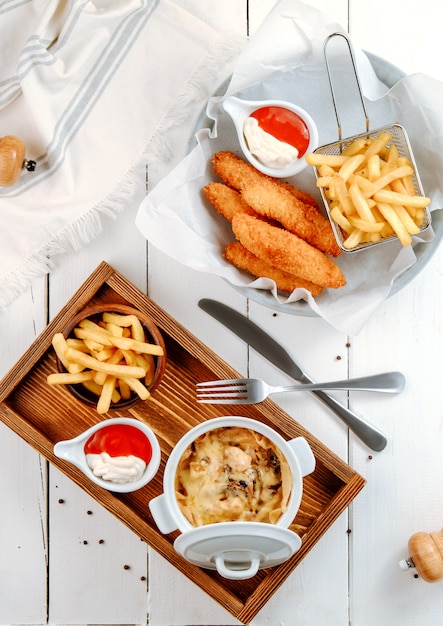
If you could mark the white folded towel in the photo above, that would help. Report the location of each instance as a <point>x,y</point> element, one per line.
<point>91,87</point>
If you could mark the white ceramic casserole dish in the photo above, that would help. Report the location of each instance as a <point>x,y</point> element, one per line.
<point>236,549</point>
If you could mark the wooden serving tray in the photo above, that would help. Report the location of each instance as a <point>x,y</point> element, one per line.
<point>43,414</point>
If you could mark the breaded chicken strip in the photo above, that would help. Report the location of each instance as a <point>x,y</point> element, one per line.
<point>238,255</point>
<point>226,201</point>
<point>237,173</point>
<point>323,225</point>
<point>234,171</point>
<point>286,251</point>
<point>276,202</point>
<point>301,195</point>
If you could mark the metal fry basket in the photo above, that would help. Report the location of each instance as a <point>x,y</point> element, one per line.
<point>399,138</point>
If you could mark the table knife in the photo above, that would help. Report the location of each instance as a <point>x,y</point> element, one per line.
<point>268,347</point>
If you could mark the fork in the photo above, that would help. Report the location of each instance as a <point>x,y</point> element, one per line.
<point>254,390</point>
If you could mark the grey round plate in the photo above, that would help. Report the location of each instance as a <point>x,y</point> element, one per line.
<point>389,75</point>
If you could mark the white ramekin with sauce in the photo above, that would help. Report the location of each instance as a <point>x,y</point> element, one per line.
<point>274,135</point>
<point>120,454</point>
<point>236,549</point>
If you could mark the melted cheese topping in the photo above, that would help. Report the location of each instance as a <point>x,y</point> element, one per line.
<point>232,474</point>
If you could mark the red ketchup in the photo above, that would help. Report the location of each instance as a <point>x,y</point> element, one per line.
<point>120,440</point>
<point>284,125</point>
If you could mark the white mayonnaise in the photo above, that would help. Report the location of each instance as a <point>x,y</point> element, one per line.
<point>116,469</point>
<point>265,147</point>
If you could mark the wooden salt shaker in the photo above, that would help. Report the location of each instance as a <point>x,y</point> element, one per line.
<point>12,160</point>
<point>426,555</point>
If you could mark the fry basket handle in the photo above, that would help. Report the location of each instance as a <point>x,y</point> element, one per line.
<point>351,53</point>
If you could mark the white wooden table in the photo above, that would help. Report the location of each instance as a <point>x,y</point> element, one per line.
<point>65,560</point>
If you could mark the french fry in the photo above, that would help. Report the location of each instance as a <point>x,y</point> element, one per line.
<point>389,177</point>
<point>125,390</point>
<point>93,387</point>
<point>129,357</point>
<point>99,378</point>
<point>78,344</point>
<point>146,361</point>
<point>354,239</point>
<point>374,170</point>
<point>115,330</point>
<point>357,146</point>
<point>392,155</point>
<point>365,185</point>
<point>60,346</point>
<point>366,227</point>
<point>117,357</point>
<point>419,214</point>
<point>97,335</point>
<point>409,185</point>
<point>350,166</point>
<point>342,195</point>
<point>326,170</point>
<point>105,399</point>
<point>119,319</point>
<point>87,323</point>
<point>407,220</point>
<point>393,197</point>
<point>324,181</point>
<point>374,237</point>
<point>377,144</point>
<point>125,343</point>
<point>341,219</point>
<point>138,387</point>
<point>399,186</point>
<point>66,378</point>
<point>106,354</point>
<point>361,205</point>
<point>333,160</point>
<point>138,334</point>
<point>126,321</point>
<point>397,225</point>
<point>96,389</point>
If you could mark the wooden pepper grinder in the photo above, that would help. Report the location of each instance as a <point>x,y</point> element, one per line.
<point>12,160</point>
<point>426,555</point>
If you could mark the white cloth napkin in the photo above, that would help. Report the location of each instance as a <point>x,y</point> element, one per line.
<point>284,60</point>
<point>92,87</point>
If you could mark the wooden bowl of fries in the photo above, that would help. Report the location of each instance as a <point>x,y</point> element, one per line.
<point>110,356</point>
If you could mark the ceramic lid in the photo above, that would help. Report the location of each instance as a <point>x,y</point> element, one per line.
<point>237,550</point>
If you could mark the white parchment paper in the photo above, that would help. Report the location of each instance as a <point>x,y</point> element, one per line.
<point>285,61</point>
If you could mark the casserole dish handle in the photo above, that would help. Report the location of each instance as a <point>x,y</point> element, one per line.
<point>304,454</point>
